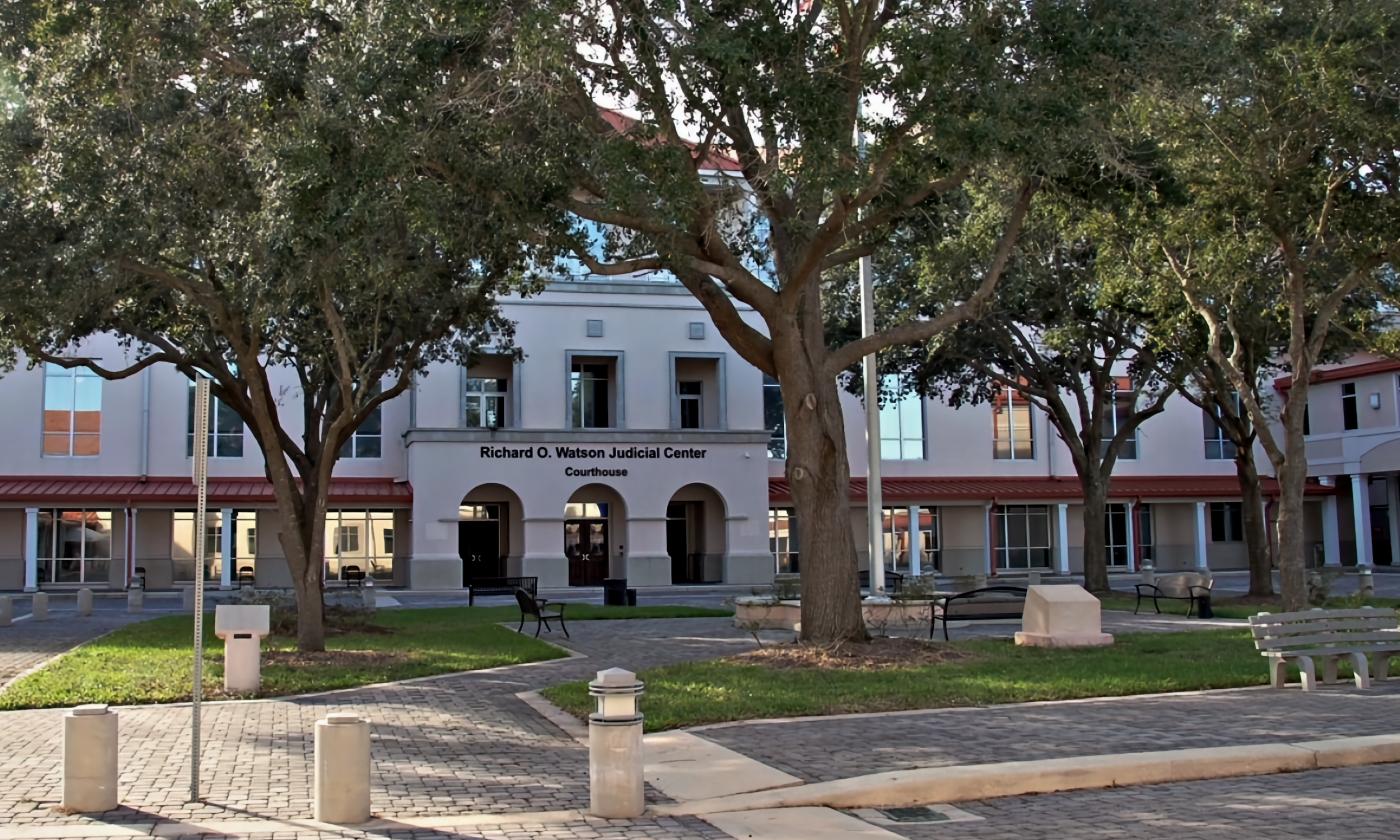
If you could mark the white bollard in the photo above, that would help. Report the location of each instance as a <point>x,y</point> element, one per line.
<point>340,784</point>
<point>7,610</point>
<point>90,759</point>
<point>84,602</point>
<point>135,600</point>
<point>1366,583</point>
<point>242,663</point>
<point>615,787</point>
<point>1148,576</point>
<point>39,607</point>
<point>187,599</point>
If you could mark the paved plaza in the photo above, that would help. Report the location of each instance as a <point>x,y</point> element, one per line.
<point>465,747</point>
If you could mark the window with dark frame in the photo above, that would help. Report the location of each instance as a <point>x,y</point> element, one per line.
<point>1349,418</point>
<point>589,394</point>
<point>1013,435</point>
<point>690,393</point>
<point>773,419</point>
<point>1226,522</point>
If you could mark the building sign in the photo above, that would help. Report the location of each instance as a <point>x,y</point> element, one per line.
<point>584,453</point>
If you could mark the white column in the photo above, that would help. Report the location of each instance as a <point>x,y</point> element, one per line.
<point>916,566</point>
<point>1392,509</point>
<point>1361,517</point>
<point>1201,562</point>
<point>31,549</point>
<point>1062,539</point>
<point>1331,536</point>
<point>987,539</point>
<point>1130,534</point>
<point>226,548</point>
<point>130,565</point>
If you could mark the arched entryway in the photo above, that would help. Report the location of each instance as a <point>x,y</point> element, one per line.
<point>489,533</point>
<point>695,535</point>
<point>595,534</point>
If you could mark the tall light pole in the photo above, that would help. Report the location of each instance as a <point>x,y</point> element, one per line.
<point>201,483</point>
<point>874,495</point>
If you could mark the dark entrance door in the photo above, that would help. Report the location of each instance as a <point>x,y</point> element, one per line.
<point>479,542</point>
<point>586,546</point>
<point>687,561</point>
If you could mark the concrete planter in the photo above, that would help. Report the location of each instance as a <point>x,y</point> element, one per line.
<point>758,613</point>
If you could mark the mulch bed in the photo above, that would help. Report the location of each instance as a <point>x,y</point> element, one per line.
<point>342,658</point>
<point>878,654</point>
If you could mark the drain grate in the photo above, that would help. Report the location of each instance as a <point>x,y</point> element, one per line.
<point>916,814</point>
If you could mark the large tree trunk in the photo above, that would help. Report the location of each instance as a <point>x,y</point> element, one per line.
<point>1291,556</point>
<point>819,476</point>
<point>1256,534</point>
<point>303,537</point>
<point>1095,550</point>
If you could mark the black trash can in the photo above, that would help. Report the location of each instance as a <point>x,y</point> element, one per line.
<point>614,592</point>
<point>631,597</point>
<point>1203,609</point>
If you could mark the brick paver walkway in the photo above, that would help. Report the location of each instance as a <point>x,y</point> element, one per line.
<point>447,745</point>
<point>1358,803</point>
<point>820,749</point>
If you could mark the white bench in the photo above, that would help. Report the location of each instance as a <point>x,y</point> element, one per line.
<point>1328,635</point>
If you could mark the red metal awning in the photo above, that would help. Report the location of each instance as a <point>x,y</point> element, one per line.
<point>1004,489</point>
<point>119,491</point>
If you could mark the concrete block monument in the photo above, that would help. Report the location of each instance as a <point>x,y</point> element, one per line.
<point>242,627</point>
<point>1062,615</point>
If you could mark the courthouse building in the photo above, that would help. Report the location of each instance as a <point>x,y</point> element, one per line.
<point>630,441</point>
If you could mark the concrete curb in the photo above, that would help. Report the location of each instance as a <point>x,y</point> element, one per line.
<point>1015,778</point>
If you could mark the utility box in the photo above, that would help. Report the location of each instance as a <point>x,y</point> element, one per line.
<point>242,628</point>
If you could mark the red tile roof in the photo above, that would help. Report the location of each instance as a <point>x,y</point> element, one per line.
<point>713,159</point>
<point>126,491</point>
<point>1283,383</point>
<point>1004,489</point>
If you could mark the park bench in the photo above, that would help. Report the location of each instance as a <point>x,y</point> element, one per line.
<point>1328,635</point>
<point>985,604</point>
<point>500,586</point>
<point>541,610</point>
<point>894,581</point>
<point>1192,587</point>
<point>352,575</point>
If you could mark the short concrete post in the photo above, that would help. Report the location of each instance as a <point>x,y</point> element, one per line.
<point>187,599</point>
<point>340,785</point>
<point>135,600</point>
<point>7,610</point>
<point>1033,578</point>
<point>90,759</point>
<point>39,607</point>
<point>84,602</point>
<point>615,746</point>
<point>367,598</point>
<point>1366,582</point>
<point>1148,575</point>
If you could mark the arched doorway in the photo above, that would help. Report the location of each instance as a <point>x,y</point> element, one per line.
<point>488,532</point>
<point>595,524</point>
<point>695,537</point>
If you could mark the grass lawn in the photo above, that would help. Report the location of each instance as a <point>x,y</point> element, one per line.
<point>1231,606</point>
<point>150,662</point>
<point>993,671</point>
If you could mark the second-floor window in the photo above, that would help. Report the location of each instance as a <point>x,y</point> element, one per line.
<point>1013,437</point>
<point>485,406</point>
<point>901,425</point>
<point>692,403</point>
<point>1349,419</point>
<point>773,419</point>
<point>72,411</point>
<point>225,429</point>
<point>1118,414</point>
<point>589,396</point>
<point>1219,447</point>
<point>368,440</point>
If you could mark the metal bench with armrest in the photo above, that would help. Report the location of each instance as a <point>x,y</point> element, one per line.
<point>541,610</point>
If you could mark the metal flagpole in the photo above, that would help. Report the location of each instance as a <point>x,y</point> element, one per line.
<point>201,483</point>
<point>874,493</point>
